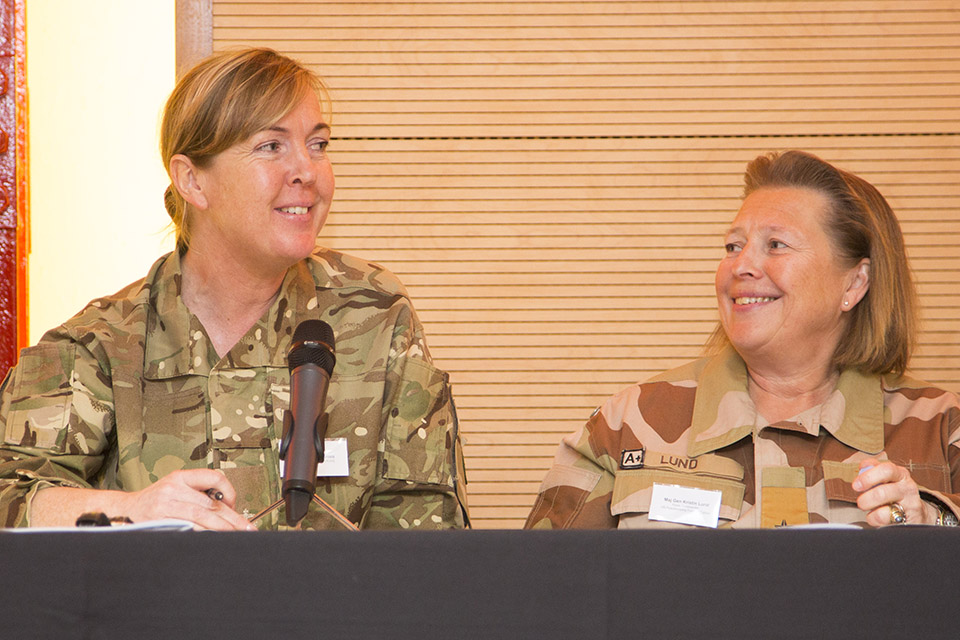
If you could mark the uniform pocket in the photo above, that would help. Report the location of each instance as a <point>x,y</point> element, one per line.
<point>42,398</point>
<point>174,428</point>
<point>416,440</point>
<point>250,424</point>
<point>250,484</point>
<point>245,427</point>
<point>245,432</point>
<point>931,476</point>
<point>838,478</point>
<point>633,488</point>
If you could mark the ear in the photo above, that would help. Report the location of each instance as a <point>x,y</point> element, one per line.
<point>858,285</point>
<point>185,176</point>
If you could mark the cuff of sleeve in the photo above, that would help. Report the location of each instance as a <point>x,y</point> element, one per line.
<point>946,501</point>
<point>29,484</point>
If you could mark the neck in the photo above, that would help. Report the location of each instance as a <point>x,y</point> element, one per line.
<point>227,297</point>
<point>779,395</point>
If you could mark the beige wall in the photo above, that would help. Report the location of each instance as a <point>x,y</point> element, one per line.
<point>98,72</point>
<point>552,180</point>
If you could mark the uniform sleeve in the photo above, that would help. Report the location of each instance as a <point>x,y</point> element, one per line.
<point>422,480</point>
<point>56,409</point>
<point>949,500</point>
<point>577,491</point>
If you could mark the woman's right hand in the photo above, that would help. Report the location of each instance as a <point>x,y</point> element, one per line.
<point>183,495</point>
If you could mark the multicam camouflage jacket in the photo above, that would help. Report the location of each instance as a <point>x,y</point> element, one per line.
<point>131,389</point>
<point>696,427</point>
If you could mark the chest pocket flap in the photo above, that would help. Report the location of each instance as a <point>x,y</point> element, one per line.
<point>838,478</point>
<point>633,488</point>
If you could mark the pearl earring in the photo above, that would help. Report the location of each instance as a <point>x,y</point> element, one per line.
<point>846,303</point>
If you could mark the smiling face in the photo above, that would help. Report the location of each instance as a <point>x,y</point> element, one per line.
<point>780,288</point>
<point>263,200</point>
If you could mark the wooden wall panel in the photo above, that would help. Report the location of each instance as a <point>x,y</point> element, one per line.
<point>552,179</point>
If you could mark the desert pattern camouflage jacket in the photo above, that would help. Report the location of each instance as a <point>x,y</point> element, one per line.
<point>131,389</point>
<point>696,427</point>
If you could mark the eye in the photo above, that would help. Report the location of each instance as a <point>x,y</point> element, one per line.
<point>731,247</point>
<point>269,146</point>
<point>777,244</point>
<point>319,146</point>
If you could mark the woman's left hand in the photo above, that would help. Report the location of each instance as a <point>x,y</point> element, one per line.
<point>882,485</point>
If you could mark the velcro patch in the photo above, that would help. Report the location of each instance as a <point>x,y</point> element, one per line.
<point>632,458</point>
<point>706,464</point>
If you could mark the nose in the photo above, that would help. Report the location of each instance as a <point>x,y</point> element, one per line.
<point>303,169</point>
<point>746,264</point>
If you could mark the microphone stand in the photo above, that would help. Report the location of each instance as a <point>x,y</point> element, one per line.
<point>326,506</point>
<point>339,517</point>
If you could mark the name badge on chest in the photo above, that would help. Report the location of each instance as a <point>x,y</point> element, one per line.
<point>685,505</point>
<point>336,459</point>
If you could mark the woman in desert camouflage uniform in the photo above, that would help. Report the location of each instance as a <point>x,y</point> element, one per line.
<point>802,414</point>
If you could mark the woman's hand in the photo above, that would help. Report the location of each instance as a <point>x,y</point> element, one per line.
<point>183,495</point>
<point>883,485</point>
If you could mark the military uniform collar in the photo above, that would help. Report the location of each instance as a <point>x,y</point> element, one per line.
<point>177,344</point>
<point>723,412</point>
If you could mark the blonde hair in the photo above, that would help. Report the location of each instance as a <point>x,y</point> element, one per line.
<point>223,100</point>
<point>881,332</point>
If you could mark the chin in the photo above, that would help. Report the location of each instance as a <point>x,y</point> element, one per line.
<point>745,343</point>
<point>297,251</point>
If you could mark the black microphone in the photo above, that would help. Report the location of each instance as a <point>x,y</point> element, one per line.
<point>311,361</point>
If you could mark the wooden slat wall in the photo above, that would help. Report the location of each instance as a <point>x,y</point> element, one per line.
<point>552,179</point>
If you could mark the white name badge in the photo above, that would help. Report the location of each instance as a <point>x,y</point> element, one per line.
<point>336,459</point>
<point>685,505</point>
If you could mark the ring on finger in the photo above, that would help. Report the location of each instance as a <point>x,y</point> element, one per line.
<point>897,515</point>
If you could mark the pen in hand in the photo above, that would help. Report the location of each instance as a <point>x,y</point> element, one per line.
<point>214,494</point>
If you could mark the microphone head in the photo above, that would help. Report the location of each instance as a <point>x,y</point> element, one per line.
<point>312,343</point>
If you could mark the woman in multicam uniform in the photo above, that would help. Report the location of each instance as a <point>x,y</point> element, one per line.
<point>174,386</point>
<point>802,414</point>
